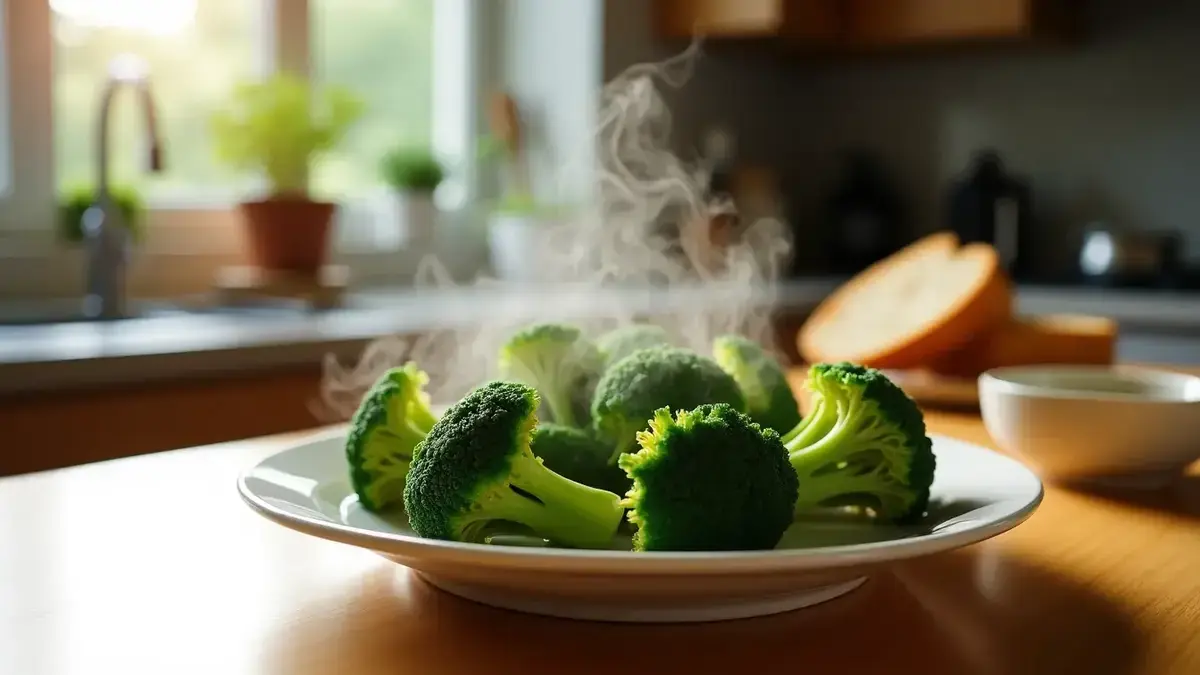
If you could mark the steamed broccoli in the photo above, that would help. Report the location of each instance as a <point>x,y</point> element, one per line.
<point>862,445</point>
<point>474,473</point>
<point>633,389</point>
<point>769,398</point>
<point>560,362</point>
<point>577,454</point>
<point>390,421</point>
<point>709,480</point>
<point>621,342</point>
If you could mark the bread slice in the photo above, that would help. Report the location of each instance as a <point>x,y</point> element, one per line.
<point>1061,339</point>
<point>905,311</point>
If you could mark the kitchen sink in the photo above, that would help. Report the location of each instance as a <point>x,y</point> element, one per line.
<point>42,312</point>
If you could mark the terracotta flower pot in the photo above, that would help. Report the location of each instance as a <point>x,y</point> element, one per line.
<point>288,234</point>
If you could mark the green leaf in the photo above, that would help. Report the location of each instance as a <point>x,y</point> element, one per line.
<point>414,169</point>
<point>280,124</point>
<point>77,199</point>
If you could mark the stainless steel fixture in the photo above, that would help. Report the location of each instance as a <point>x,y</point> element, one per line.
<point>105,232</point>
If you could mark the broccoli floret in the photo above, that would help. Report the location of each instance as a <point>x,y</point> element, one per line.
<point>560,362</point>
<point>579,455</point>
<point>621,342</point>
<point>769,398</point>
<point>630,392</point>
<point>390,421</point>
<point>863,445</point>
<point>475,473</point>
<point>709,480</point>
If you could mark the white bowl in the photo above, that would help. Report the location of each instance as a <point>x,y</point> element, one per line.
<point>1127,426</point>
<point>976,494</point>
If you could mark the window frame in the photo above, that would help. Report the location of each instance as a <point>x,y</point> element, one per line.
<point>30,134</point>
<point>200,234</point>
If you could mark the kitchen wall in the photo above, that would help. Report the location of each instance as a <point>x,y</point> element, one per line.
<point>1108,129</point>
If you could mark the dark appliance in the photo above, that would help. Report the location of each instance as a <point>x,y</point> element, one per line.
<point>992,206</point>
<point>864,215</point>
<point>1112,257</point>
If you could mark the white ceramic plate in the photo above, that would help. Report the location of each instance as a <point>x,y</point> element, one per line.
<point>977,494</point>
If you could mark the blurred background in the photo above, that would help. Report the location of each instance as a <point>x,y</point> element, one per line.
<point>214,213</point>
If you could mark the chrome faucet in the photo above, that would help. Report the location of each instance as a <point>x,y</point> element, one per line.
<point>106,233</point>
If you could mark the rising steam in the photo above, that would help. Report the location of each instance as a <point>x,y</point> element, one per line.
<point>648,225</point>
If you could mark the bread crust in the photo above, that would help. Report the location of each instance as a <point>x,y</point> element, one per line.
<point>877,318</point>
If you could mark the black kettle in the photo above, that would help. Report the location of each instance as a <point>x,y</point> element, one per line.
<point>991,206</point>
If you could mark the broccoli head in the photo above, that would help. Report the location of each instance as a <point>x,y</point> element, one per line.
<point>630,392</point>
<point>579,455</point>
<point>863,445</point>
<point>390,421</point>
<point>621,342</point>
<point>769,398</point>
<point>709,479</point>
<point>474,474</point>
<point>637,386</point>
<point>559,362</point>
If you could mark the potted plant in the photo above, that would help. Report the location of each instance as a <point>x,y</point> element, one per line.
<point>517,232</point>
<point>279,126</point>
<point>516,225</point>
<point>414,174</point>
<point>76,199</point>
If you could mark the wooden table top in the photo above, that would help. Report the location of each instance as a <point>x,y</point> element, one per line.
<point>152,565</point>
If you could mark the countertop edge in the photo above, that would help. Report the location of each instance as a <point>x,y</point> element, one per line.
<point>88,357</point>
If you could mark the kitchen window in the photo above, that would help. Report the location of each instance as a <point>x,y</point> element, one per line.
<point>412,61</point>
<point>5,164</point>
<point>195,56</point>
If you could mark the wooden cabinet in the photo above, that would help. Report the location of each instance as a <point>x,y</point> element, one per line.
<point>65,428</point>
<point>867,24</point>
<point>910,22</point>
<point>812,20</point>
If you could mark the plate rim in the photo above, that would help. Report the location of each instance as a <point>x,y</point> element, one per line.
<point>615,562</point>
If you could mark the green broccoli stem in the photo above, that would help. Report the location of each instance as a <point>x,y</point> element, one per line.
<point>844,488</point>
<point>561,510</point>
<point>560,408</point>
<point>625,439</point>
<point>415,408</point>
<point>816,424</point>
<point>387,487</point>
<point>420,418</point>
<point>848,465</point>
<point>550,379</point>
<point>407,434</point>
<point>830,424</point>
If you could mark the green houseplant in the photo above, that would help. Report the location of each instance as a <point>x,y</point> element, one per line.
<point>517,222</point>
<point>279,126</point>
<point>414,174</point>
<point>412,170</point>
<point>76,199</point>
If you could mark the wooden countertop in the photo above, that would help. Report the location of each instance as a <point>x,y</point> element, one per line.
<point>153,565</point>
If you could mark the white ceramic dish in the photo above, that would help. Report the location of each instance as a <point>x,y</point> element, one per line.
<point>1126,426</point>
<point>977,494</point>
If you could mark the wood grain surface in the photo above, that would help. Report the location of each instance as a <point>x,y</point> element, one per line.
<point>58,429</point>
<point>152,565</point>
